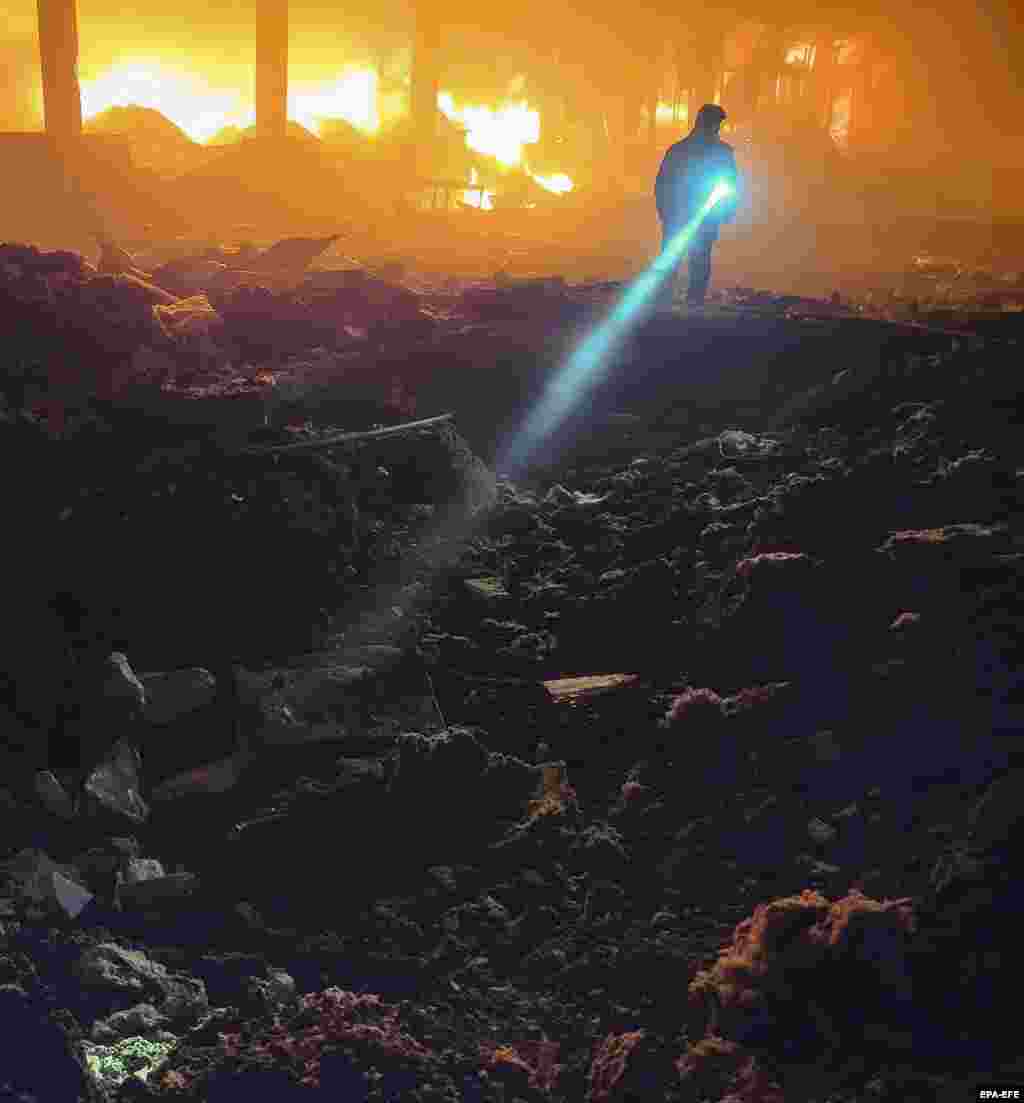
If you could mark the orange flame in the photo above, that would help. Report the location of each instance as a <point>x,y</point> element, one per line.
<point>201,110</point>
<point>500,133</point>
<point>558,182</point>
<point>478,197</point>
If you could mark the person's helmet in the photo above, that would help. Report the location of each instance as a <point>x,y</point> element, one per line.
<point>709,116</point>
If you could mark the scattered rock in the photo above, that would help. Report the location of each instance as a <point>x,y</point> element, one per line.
<point>43,882</point>
<point>132,974</point>
<point>141,1019</point>
<point>54,796</point>
<point>115,783</point>
<point>489,590</point>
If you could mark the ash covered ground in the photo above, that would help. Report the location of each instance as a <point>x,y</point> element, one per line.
<point>336,762</point>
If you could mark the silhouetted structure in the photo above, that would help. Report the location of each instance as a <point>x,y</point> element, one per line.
<point>425,85</point>
<point>272,68</point>
<point>58,57</point>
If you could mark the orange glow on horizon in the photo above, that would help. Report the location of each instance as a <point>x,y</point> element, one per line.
<point>201,110</point>
<point>181,96</point>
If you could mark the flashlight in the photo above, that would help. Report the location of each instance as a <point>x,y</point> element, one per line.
<point>722,190</point>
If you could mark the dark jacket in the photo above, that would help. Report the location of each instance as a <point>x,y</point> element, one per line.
<point>687,175</point>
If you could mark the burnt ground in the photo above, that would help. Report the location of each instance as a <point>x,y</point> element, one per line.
<point>844,581</point>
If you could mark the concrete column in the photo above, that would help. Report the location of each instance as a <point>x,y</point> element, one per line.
<point>825,76</point>
<point>426,82</point>
<point>272,68</point>
<point>58,56</point>
<point>615,113</point>
<point>652,118</point>
<point>865,89</point>
<point>705,75</point>
<point>769,59</point>
<point>860,100</point>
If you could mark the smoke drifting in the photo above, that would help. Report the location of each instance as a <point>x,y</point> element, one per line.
<point>946,100</point>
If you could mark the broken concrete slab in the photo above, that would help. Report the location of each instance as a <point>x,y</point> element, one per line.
<point>142,1019</point>
<point>489,590</point>
<point>133,974</point>
<point>100,867</point>
<point>115,783</point>
<point>174,694</point>
<point>290,254</point>
<point>188,276</point>
<point>275,992</point>
<point>336,682</point>
<point>211,778</point>
<point>54,796</point>
<point>157,892</point>
<point>188,320</point>
<point>122,684</point>
<point>559,497</point>
<point>45,883</point>
<point>136,870</point>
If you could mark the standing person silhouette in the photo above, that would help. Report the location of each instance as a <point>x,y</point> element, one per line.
<point>687,175</point>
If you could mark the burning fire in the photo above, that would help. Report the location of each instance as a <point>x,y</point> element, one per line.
<point>183,97</point>
<point>201,110</point>
<point>478,197</point>
<point>558,182</point>
<point>353,97</point>
<point>501,134</point>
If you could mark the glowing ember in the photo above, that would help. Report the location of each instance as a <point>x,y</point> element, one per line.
<point>501,133</point>
<point>558,182</point>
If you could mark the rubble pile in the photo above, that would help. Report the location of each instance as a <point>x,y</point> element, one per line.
<point>945,291</point>
<point>193,328</point>
<point>404,780</point>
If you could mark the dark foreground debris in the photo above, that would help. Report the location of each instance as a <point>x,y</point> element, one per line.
<point>682,769</point>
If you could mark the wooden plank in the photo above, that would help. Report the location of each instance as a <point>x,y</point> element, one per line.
<point>346,438</point>
<point>573,690</point>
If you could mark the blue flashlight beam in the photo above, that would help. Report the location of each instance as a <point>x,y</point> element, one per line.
<point>584,368</point>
